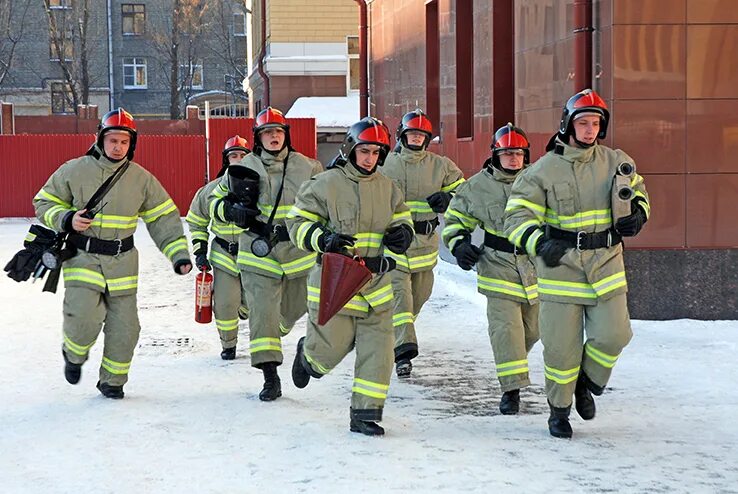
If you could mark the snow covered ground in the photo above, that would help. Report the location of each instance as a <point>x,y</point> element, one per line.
<point>192,423</point>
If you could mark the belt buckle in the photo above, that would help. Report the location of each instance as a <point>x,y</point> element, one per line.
<point>382,269</point>
<point>233,248</point>
<point>515,250</point>
<point>609,238</point>
<point>120,246</point>
<point>428,227</point>
<point>580,239</point>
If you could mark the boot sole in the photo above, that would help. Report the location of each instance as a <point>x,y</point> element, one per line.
<point>269,398</point>
<point>560,435</point>
<point>354,429</point>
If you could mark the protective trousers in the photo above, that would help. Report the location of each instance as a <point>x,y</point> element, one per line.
<point>412,290</point>
<point>325,347</point>
<point>226,304</point>
<point>275,305</point>
<point>513,330</point>
<point>85,312</point>
<point>607,327</point>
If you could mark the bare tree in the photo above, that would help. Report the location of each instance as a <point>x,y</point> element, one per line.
<point>222,43</point>
<point>12,24</point>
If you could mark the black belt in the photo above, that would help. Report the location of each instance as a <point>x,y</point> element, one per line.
<point>230,247</point>
<point>425,227</point>
<point>99,246</point>
<point>260,228</point>
<point>501,243</point>
<point>379,264</point>
<point>584,240</point>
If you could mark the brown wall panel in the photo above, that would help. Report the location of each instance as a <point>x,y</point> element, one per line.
<point>712,136</point>
<point>711,205</point>
<point>712,66</point>
<point>649,11</point>
<point>666,226</point>
<point>712,12</point>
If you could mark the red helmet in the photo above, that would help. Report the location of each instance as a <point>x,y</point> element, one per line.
<point>235,143</point>
<point>414,120</point>
<point>117,119</point>
<point>269,118</point>
<point>368,130</point>
<point>586,101</point>
<point>509,137</point>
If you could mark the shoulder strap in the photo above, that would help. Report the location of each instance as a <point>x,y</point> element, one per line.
<point>106,186</point>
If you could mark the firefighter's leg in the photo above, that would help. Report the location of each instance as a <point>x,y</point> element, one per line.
<point>84,313</point>
<point>373,366</point>
<point>264,299</point>
<point>508,338</point>
<point>325,346</point>
<point>294,303</point>
<point>530,323</point>
<point>226,303</point>
<point>403,319</point>
<point>561,333</point>
<point>121,337</point>
<point>607,325</point>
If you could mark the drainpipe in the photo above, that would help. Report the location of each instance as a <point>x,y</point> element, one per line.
<point>111,97</point>
<point>363,61</point>
<point>582,44</point>
<point>262,54</point>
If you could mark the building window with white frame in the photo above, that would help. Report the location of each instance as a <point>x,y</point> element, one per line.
<point>354,64</point>
<point>191,75</point>
<point>61,97</point>
<point>239,24</point>
<point>60,4</point>
<point>133,19</point>
<point>134,73</point>
<point>65,44</point>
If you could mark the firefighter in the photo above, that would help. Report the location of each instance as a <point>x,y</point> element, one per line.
<point>353,210</point>
<point>273,271</point>
<point>505,275</point>
<point>102,278</point>
<point>560,210</point>
<point>428,182</point>
<point>226,280</point>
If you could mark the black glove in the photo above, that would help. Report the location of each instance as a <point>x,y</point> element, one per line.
<point>201,261</point>
<point>335,242</point>
<point>466,254</point>
<point>551,250</point>
<point>630,225</point>
<point>182,262</point>
<point>398,238</point>
<point>239,214</point>
<point>438,201</point>
<point>23,264</point>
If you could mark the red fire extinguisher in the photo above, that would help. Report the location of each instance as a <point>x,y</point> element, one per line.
<point>203,297</point>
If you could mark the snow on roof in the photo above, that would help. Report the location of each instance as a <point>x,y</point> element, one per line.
<point>330,112</point>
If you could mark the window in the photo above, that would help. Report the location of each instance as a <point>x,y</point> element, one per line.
<point>66,45</point>
<point>433,65</point>
<point>464,70</point>
<point>60,4</point>
<point>354,64</point>
<point>191,75</point>
<point>61,97</point>
<point>239,24</point>
<point>134,19</point>
<point>134,73</point>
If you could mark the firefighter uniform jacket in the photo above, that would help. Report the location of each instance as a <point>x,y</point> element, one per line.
<point>284,259</point>
<point>569,188</point>
<point>420,174</point>
<point>481,202</point>
<point>138,194</point>
<point>345,201</point>
<point>199,220</point>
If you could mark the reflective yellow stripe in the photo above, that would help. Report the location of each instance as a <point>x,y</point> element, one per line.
<point>282,211</point>
<point>84,275</point>
<point>423,261</point>
<point>469,222</point>
<point>51,214</point>
<point>204,236</point>
<point>380,296</point>
<point>561,376</point>
<point>302,231</point>
<point>299,265</point>
<point>405,215</point>
<point>517,234</point>
<point>530,244</point>
<point>73,347</point>
<point>368,239</point>
<point>610,283</point>
<point>512,368</point>
<point>222,229</point>
<point>173,247</point>
<point>114,367</point>
<point>602,358</point>
<point>125,283</point>
<point>295,212</point>
<point>453,185</point>
<point>224,261</point>
<point>369,388</point>
<point>315,364</point>
<point>419,207</point>
<point>402,318</point>
<point>226,324</point>
<point>265,345</point>
<point>357,302</point>
<point>501,286</point>
<point>112,221</point>
<point>45,195</point>
<point>583,218</point>
<point>566,288</point>
<point>196,219</point>
<point>30,237</point>
<point>517,203</point>
<point>284,329</point>
<point>153,214</point>
<point>264,263</point>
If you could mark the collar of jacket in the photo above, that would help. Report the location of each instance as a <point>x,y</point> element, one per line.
<point>355,175</point>
<point>574,154</point>
<point>410,156</point>
<point>270,159</point>
<point>501,175</point>
<point>104,162</point>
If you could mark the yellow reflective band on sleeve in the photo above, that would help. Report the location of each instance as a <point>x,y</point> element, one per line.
<point>282,211</point>
<point>224,261</point>
<point>468,222</point>
<point>284,330</point>
<point>585,218</point>
<point>84,275</point>
<point>114,367</point>
<point>368,239</point>
<point>224,229</point>
<point>452,186</point>
<point>566,288</point>
<point>173,247</point>
<point>605,360</point>
<point>299,265</point>
<point>493,231</point>
<point>264,263</point>
<point>295,212</point>
<point>196,235</point>
<point>518,233</point>
<point>52,213</point>
<point>400,259</point>
<point>452,228</point>
<point>357,303</point>
<point>419,207</point>
<point>402,318</point>
<point>30,237</point>
<point>501,286</point>
<point>226,324</point>
<point>561,376</point>
<point>610,283</point>
<point>73,347</point>
<point>517,203</point>
<point>369,388</point>
<point>153,214</point>
<point>265,345</point>
<point>644,203</point>
<point>125,283</point>
<point>42,194</point>
<point>512,368</point>
<point>196,220</point>
<point>530,244</point>
<point>403,216</point>
<point>115,222</point>
<point>301,232</point>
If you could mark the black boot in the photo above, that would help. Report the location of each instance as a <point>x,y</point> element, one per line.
<point>360,422</point>
<point>228,353</point>
<point>510,402</point>
<point>558,422</point>
<point>72,372</point>
<point>585,403</point>
<point>109,391</point>
<point>403,368</point>
<point>300,376</point>
<point>272,385</point>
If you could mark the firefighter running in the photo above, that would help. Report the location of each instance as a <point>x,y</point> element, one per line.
<point>505,275</point>
<point>560,210</point>
<point>101,280</point>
